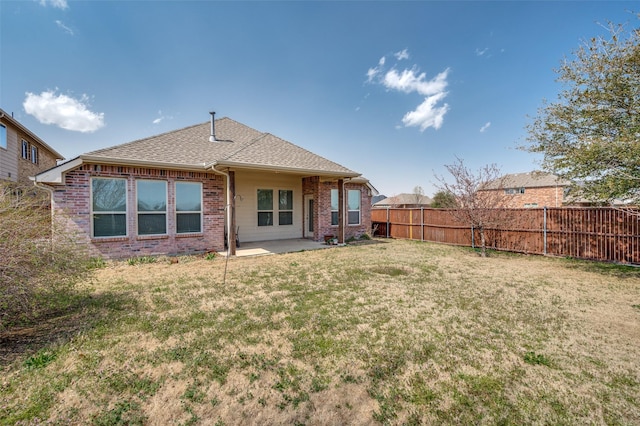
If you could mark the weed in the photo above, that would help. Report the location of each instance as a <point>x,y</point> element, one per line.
<point>124,413</point>
<point>536,359</point>
<point>39,360</point>
<point>210,255</point>
<point>142,260</point>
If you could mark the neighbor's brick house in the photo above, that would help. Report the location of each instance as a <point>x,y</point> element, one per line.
<point>22,153</point>
<point>185,190</point>
<point>530,190</point>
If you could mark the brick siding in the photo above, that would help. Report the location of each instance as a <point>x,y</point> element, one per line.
<point>321,192</point>
<point>72,212</point>
<point>549,196</point>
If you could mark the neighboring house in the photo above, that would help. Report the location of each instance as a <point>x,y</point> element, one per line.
<point>532,189</point>
<point>22,153</point>
<point>181,191</point>
<point>404,201</point>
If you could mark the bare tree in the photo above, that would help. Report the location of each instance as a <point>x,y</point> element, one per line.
<point>418,194</point>
<point>479,197</point>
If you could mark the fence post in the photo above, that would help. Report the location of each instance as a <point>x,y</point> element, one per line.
<point>473,238</point>
<point>421,223</point>
<point>544,231</point>
<point>387,227</point>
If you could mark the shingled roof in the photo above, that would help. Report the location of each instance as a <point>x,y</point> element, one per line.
<point>527,180</point>
<point>236,145</point>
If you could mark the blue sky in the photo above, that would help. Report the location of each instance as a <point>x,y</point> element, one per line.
<point>393,90</point>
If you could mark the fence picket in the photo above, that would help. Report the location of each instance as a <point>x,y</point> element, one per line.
<point>598,233</point>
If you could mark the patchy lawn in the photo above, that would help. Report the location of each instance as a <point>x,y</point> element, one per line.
<point>386,332</point>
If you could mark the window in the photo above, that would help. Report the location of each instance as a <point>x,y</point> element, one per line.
<point>25,149</point>
<point>285,207</point>
<point>34,154</point>
<point>265,207</point>
<point>353,208</point>
<point>3,136</point>
<point>109,207</point>
<point>334,207</point>
<point>188,207</point>
<point>511,191</point>
<point>152,207</point>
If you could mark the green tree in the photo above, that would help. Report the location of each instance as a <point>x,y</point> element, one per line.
<point>590,135</point>
<point>443,200</point>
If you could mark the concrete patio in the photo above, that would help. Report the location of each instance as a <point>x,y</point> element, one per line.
<point>259,248</point>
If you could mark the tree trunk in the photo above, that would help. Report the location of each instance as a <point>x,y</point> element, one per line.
<point>483,242</point>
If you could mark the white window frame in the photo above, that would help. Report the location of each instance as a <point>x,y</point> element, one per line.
<point>145,213</point>
<point>359,209</point>
<point>3,136</point>
<point>259,210</point>
<point>124,213</point>
<point>285,210</point>
<point>34,154</point>
<point>25,149</point>
<point>337,212</point>
<point>188,211</point>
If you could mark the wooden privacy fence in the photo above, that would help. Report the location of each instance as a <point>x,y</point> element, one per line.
<point>598,233</point>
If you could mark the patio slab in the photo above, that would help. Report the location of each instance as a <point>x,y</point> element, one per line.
<point>260,248</point>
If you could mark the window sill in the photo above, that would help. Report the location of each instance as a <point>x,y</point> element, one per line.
<point>190,235</point>
<point>151,237</point>
<point>108,239</point>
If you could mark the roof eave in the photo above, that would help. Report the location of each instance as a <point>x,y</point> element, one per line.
<point>292,170</point>
<point>143,163</point>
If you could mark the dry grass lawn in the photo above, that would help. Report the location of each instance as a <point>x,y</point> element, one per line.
<point>391,332</point>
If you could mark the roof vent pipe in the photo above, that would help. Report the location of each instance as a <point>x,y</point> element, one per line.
<point>212,137</point>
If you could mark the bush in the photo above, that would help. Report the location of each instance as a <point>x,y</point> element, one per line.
<point>40,265</point>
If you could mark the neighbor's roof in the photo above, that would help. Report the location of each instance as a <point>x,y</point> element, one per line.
<point>16,123</point>
<point>402,199</point>
<point>527,180</point>
<point>237,146</point>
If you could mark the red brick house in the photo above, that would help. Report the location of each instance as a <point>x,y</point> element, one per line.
<point>532,189</point>
<point>191,189</point>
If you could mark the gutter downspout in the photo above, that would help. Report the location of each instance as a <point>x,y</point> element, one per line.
<point>50,191</point>
<point>227,207</point>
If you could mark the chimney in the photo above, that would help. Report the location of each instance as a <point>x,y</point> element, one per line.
<point>212,137</point>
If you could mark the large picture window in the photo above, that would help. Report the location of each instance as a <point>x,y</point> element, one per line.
<point>285,207</point>
<point>152,207</point>
<point>265,207</point>
<point>109,207</point>
<point>334,207</point>
<point>188,207</point>
<point>353,206</point>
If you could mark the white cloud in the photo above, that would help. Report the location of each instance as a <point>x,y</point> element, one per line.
<point>373,72</point>
<point>403,54</point>
<point>431,112</point>
<point>410,81</point>
<point>60,4</point>
<point>428,114</point>
<point>485,127</point>
<point>64,111</point>
<point>480,52</point>
<point>61,25</point>
<point>161,118</point>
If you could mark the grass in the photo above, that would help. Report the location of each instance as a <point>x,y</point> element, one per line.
<point>388,332</point>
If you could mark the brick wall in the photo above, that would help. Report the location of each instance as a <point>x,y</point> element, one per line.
<point>549,196</point>
<point>72,212</point>
<point>321,192</point>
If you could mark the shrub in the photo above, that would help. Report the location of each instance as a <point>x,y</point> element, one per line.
<point>40,264</point>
